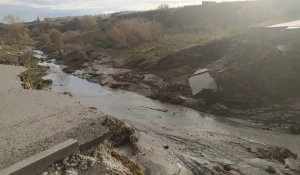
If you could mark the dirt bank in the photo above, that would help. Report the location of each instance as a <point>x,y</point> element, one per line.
<point>32,121</point>
<point>256,80</point>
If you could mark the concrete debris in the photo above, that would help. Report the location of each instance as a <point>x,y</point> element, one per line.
<point>71,165</point>
<point>202,80</point>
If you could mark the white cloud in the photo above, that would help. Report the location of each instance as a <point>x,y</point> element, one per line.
<point>98,4</point>
<point>30,9</point>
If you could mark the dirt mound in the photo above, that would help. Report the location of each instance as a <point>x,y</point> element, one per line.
<point>254,73</point>
<point>249,72</point>
<point>194,57</point>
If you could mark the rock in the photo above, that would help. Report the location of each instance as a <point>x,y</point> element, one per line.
<point>69,69</point>
<point>71,172</point>
<point>93,108</point>
<point>76,56</point>
<point>85,65</point>
<point>165,96</point>
<point>119,85</point>
<point>83,167</point>
<point>73,165</point>
<point>47,82</point>
<point>153,80</point>
<point>57,168</point>
<point>166,146</point>
<point>94,68</point>
<point>295,129</point>
<point>271,170</point>
<point>45,173</point>
<point>252,149</point>
<point>107,80</point>
<point>146,65</point>
<point>68,94</point>
<point>219,109</point>
<point>227,167</point>
<point>91,161</point>
<point>292,164</point>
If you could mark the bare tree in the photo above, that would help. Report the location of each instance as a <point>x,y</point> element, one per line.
<point>57,38</point>
<point>163,6</point>
<point>17,34</point>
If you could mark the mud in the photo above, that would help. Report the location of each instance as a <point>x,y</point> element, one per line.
<point>197,142</point>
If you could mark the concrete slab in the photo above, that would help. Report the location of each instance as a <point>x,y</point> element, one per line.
<point>40,162</point>
<point>33,121</point>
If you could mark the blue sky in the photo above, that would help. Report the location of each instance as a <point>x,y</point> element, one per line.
<point>31,9</point>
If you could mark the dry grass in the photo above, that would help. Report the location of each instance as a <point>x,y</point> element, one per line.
<point>134,168</point>
<point>275,152</point>
<point>128,33</point>
<point>121,135</point>
<point>33,77</point>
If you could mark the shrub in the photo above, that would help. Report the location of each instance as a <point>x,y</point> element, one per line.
<point>131,32</point>
<point>57,38</point>
<point>88,23</point>
<point>70,34</point>
<point>105,43</point>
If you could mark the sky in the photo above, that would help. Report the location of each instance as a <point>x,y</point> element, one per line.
<point>29,10</point>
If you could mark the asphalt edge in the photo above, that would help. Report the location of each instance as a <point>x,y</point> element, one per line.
<point>41,161</point>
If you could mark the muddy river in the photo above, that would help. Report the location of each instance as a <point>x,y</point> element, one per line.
<point>182,122</point>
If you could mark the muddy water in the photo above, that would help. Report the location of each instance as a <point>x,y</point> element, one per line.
<point>134,108</point>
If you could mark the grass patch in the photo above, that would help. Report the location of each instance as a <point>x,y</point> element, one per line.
<point>143,51</point>
<point>108,43</point>
<point>174,42</point>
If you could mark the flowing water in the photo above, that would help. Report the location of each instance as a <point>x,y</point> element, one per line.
<point>132,107</point>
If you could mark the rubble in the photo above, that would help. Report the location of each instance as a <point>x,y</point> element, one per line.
<point>71,165</point>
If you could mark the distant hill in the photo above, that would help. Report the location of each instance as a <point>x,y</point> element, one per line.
<point>243,13</point>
